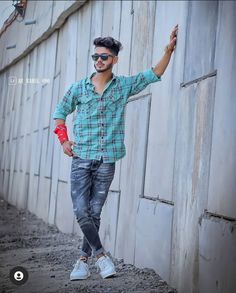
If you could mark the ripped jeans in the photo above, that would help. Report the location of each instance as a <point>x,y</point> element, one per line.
<point>90,183</point>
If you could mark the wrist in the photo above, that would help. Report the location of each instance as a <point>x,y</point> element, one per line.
<point>61,131</point>
<point>63,141</point>
<point>168,50</point>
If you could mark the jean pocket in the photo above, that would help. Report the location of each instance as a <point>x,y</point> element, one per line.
<point>78,163</point>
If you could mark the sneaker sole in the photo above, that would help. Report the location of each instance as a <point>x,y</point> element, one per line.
<point>79,278</point>
<point>108,275</point>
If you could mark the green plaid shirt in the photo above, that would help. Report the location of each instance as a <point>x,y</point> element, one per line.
<point>99,122</point>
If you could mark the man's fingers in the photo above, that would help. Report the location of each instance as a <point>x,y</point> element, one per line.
<point>173,41</point>
<point>72,143</point>
<point>68,151</point>
<point>67,148</point>
<point>174,32</point>
<point>172,44</point>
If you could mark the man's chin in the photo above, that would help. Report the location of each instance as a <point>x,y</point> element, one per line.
<point>101,70</point>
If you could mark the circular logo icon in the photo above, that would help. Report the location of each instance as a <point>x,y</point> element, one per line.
<point>18,275</point>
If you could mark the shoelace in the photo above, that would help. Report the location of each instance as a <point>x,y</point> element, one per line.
<point>103,263</point>
<point>77,264</point>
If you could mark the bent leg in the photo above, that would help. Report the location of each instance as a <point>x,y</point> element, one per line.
<point>81,180</point>
<point>102,179</point>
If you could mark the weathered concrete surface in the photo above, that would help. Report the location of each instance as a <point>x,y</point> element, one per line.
<point>222,183</point>
<point>109,221</point>
<point>132,167</point>
<point>49,16</point>
<point>48,256</point>
<point>201,36</point>
<point>164,102</point>
<point>217,266</point>
<point>180,139</point>
<point>153,236</point>
<point>192,165</point>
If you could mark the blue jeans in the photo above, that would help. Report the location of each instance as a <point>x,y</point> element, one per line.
<point>90,183</point>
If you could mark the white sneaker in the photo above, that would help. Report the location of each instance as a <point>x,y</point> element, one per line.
<point>80,271</point>
<point>106,266</point>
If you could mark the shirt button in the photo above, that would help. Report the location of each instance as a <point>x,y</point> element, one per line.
<point>101,99</point>
<point>102,124</point>
<point>102,149</point>
<point>102,137</point>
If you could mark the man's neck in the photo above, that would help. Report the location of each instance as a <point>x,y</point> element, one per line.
<point>103,77</point>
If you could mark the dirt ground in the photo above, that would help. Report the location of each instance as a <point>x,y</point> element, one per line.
<point>48,255</point>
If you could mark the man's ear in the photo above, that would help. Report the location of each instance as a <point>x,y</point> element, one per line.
<point>115,59</point>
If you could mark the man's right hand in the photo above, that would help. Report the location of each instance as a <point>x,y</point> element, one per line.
<point>67,148</point>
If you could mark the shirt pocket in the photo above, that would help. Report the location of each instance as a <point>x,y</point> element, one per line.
<point>115,101</point>
<point>87,106</point>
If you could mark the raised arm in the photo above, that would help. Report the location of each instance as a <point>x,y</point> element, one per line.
<point>160,68</point>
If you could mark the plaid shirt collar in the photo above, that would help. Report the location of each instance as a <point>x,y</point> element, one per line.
<point>89,79</point>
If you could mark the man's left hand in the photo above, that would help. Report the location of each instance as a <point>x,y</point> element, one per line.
<point>173,38</point>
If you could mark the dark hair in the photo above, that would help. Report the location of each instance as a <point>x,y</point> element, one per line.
<point>108,42</point>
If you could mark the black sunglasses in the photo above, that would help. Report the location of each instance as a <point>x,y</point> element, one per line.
<point>103,56</point>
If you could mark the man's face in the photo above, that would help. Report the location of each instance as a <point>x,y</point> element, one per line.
<point>104,65</point>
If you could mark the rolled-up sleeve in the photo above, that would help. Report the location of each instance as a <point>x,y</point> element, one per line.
<point>139,82</point>
<point>67,105</point>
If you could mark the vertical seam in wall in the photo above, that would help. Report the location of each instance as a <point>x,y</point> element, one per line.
<point>125,111</point>
<point>216,33</point>
<point>90,31</point>
<point>174,165</point>
<point>149,113</point>
<point>189,9</point>
<point>40,156</point>
<point>173,184</point>
<point>131,39</point>
<point>131,45</point>
<point>52,6</point>
<point>117,72</point>
<point>120,18</point>
<point>118,204</point>
<point>51,165</point>
<point>211,132</point>
<point>176,136</point>
<point>219,10</point>
<point>29,56</point>
<point>117,65</point>
<point>40,126</point>
<point>102,17</point>
<point>76,50</point>
<point>27,191</point>
<point>146,146</point>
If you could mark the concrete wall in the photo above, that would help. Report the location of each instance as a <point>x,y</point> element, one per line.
<point>172,203</point>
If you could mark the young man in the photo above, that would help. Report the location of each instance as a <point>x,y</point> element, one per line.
<point>100,101</point>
